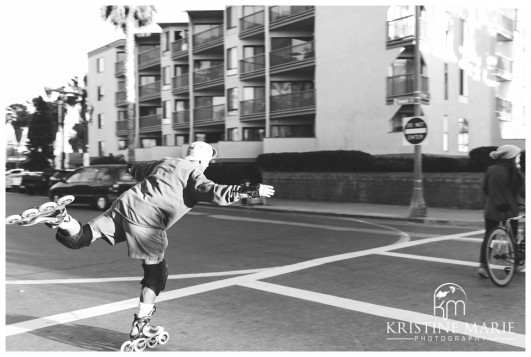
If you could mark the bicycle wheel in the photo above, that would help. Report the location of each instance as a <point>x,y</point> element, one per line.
<point>500,256</point>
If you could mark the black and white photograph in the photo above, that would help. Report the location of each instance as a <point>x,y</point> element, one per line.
<point>220,178</point>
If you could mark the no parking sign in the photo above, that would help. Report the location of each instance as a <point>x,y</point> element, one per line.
<point>415,130</point>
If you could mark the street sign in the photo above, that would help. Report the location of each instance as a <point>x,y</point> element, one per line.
<point>402,101</point>
<point>415,130</point>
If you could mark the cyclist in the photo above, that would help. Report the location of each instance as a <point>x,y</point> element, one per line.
<point>504,186</point>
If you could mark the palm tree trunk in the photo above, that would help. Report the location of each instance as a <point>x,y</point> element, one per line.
<point>130,85</point>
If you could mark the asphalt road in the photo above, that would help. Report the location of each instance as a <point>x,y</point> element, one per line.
<point>243,280</point>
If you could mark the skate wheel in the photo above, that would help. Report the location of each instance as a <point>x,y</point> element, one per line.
<point>152,342</point>
<point>139,345</point>
<point>163,339</point>
<point>65,200</point>
<point>47,207</point>
<point>14,218</point>
<point>30,213</point>
<point>127,346</point>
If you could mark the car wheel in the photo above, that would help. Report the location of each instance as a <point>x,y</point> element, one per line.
<point>101,203</point>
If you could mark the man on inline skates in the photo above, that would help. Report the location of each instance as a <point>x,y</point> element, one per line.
<point>166,191</point>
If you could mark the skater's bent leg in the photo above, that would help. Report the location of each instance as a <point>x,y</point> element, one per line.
<point>154,281</point>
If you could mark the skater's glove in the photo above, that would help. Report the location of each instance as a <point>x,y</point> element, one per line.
<point>259,190</point>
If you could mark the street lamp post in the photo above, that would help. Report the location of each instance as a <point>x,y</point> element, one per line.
<point>417,206</point>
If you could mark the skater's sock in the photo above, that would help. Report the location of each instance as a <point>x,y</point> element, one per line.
<point>144,309</point>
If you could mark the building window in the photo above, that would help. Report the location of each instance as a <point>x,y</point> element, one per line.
<point>101,92</point>
<point>446,81</point>
<point>463,83</point>
<point>166,76</point>
<point>253,134</point>
<point>181,139</point>
<point>252,9</point>
<point>165,41</point>
<point>462,136</point>
<point>232,61</point>
<point>149,142</point>
<point>233,134</point>
<point>167,139</point>
<point>445,133</point>
<point>101,64</point>
<point>122,115</point>
<point>122,144</point>
<point>232,95</point>
<point>101,148</point>
<point>292,131</point>
<point>166,109</point>
<point>101,119</point>
<point>232,18</point>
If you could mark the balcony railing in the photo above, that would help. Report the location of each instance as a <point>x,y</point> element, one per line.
<point>252,21</point>
<point>180,82</point>
<point>209,74</point>
<point>505,28</point>
<point>252,64</point>
<point>252,106</point>
<point>181,118</point>
<point>295,53</point>
<point>293,100</point>
<point>404,85</point>
<point>150,121</point>
<point>119,68</point>
<point>403,29</point>
<point>149,90</point>
<point>121,97</point>
<point>278,13</point>
<point>179,47</point>
<point>215,113</point>
<point>210,35</point>
<point>504,68</point>
<point>121,127</point>
<point>504,109</point>
<point>152,55</point>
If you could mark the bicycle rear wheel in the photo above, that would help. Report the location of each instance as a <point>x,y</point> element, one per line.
<point>500,256</point>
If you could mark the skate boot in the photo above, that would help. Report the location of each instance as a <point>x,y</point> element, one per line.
<point>50,213</point>
<point>143,334</point>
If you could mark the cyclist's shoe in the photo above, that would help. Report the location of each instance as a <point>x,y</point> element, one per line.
<point>482,272</point>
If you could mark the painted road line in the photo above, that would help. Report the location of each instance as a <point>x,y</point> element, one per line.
<point>457,327</point>
<point>133,278</point>
<point>474,240</point>
<point>48,321</point>
<point>430,259</point>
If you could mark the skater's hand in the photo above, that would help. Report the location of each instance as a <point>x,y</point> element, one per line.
<point>265,190</point>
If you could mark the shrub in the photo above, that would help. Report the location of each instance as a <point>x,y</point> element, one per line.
<point>233,173</point>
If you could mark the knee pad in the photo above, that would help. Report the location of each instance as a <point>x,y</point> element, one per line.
<point>80,240</point>
<point>155,276</point>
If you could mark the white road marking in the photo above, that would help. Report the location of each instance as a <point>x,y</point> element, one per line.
<point>473,240</point>
<point>38,323</point>
<point>430,259</point>
<point>133,278</point>
<point>460,327</point>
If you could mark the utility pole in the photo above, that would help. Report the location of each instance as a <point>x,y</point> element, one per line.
<point>417,206</point>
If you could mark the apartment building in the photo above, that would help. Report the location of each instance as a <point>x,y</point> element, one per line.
<point>262,79</point>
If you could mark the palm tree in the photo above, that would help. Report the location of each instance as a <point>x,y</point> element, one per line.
<point>128,18</point>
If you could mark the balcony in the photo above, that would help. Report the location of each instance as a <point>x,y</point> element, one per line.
<point>252,67</point>
<point>298,59</point>
<point>121,128</point>
<point>291,18</point>
<point>210,78</point>
<point>119,69</point>
<point>149,58</point>
<point>209,41</point>
<point>252,26</point>
<point>401,31</point>
<point>120,98</point>
<point>179,49</point>
<point>293,104</point>
<point>149,91</point>
<point>180,84</point>
<point>402,87</point>
<point>150,123</point>
<point>505,29</point>
<point>504,109</point>
<point>253,109</point>
<point>204,116</point>
<point>181,120</point>
<point>504,69</point>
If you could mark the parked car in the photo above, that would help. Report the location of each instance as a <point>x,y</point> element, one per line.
<point>58,176</point>
<point>97,185</point>
<point>34,182</point>
<point>14,180</point>
<point>14,171</point>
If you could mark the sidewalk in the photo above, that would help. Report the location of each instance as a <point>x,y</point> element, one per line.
<point>366,210</point>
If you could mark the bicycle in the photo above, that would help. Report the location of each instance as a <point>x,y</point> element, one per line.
<point>505,252</point>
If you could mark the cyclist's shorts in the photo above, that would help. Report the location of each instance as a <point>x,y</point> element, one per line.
<point>143,242</point>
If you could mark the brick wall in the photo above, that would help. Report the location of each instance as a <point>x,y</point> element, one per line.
<point>448,190</point>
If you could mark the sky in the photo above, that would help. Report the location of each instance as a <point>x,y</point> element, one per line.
<point>45,42</point>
